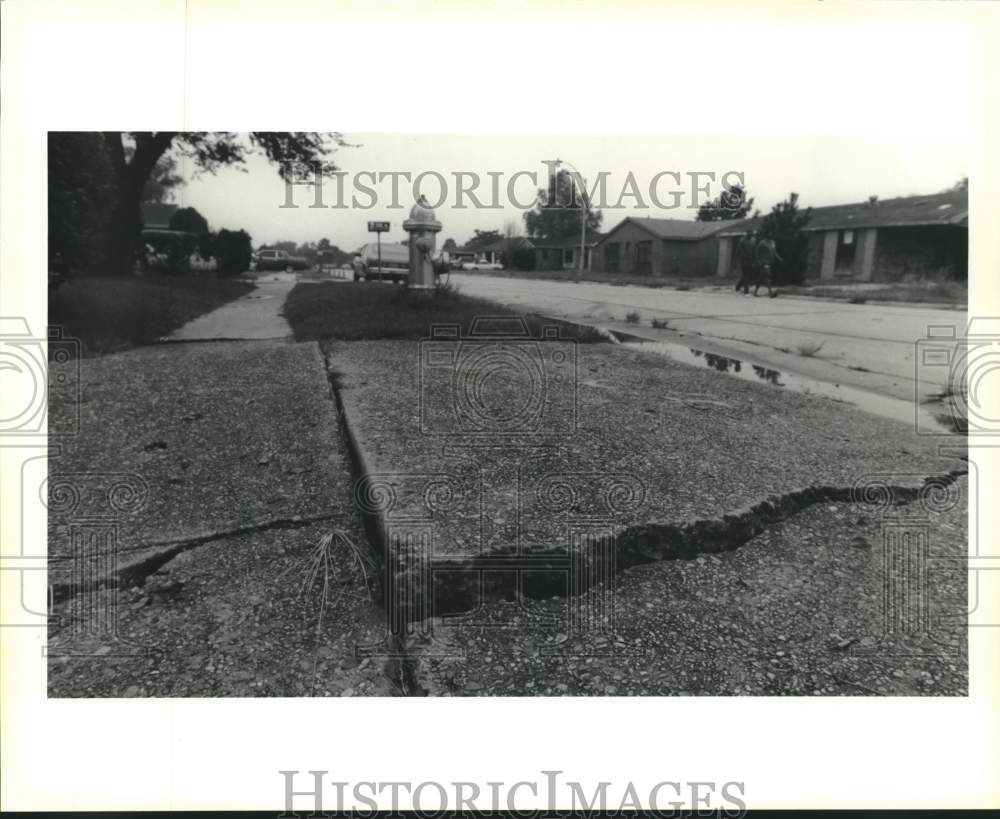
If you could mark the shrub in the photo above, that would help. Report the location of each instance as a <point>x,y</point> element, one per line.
<point>632,317</point>
<point>233,250</point>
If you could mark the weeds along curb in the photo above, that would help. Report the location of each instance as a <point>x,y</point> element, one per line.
<point>400,667</point>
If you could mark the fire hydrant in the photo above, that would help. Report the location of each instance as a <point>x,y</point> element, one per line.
<point>422,227</point>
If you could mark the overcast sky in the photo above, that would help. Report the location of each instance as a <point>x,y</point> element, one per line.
<point>824,170</point>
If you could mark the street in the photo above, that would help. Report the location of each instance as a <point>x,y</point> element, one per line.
<point>866,346</point>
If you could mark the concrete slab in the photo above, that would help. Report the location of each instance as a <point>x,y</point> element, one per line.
<point>203,477</point>
<point>257,315</point>
<point>660,458</point>
<point>799,610</point>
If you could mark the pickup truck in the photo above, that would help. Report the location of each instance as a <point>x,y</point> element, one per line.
<point>278,260</point>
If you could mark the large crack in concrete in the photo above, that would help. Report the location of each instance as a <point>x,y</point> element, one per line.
<point>461,585</point>
<point>150,556</point>
<point>412,590</point>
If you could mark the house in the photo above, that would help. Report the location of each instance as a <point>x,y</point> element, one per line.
<point>564,254</point>
<point>157,215</point>
<point>909,237</point>
<point>659,247</point>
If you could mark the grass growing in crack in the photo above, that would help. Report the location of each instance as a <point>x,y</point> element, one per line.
<point>323,580</point>
<point>809,348</point>
<point>632,317</point>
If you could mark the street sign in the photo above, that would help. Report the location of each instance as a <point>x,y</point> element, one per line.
<point>378,227</point>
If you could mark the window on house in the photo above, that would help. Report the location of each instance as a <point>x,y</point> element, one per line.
<point>568,255</point>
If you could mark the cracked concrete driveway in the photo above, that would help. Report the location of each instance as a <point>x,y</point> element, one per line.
<point>870,346</point>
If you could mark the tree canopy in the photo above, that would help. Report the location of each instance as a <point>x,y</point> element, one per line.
<point>135,155</point>
<point>784,224</point>
<point>557,213</point>
<point>732,203</point>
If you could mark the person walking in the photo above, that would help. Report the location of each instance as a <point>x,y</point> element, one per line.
<point>765,254</point>
<point>746,251</point>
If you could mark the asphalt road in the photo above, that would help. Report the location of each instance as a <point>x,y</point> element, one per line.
<point>867,346</point>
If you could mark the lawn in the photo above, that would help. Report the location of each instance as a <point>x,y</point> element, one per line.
<point>357,311</point>
<point>915,292</point>
<point>111,315</point>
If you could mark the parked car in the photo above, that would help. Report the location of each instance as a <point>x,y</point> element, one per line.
<point>482,266</point>
<point>395,263</point>
<point>278,260</point>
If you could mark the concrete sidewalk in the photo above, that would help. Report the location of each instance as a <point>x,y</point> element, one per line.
<point>213,470</point>
<point>494,535</point>
<point>256,315</point>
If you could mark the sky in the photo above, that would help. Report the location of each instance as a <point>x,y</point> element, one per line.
<point>823,169</point>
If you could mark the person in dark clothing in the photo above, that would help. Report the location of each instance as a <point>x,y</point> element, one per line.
<point>766,254</point>
<point>747,256</point>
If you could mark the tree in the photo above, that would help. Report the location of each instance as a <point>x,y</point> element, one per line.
<point>557,214</point>
<point>511,242</point>
<point>784,224</point>
<point>190,221</point>
<point>134,156</point>
<point>732,203</point>
<point>961,185</point>
<point>232,250</point>
<point>482,238</point>
<point>449,245</point>
<point>80,200</point>
<point>162,181</point>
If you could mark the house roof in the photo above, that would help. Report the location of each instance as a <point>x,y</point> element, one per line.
<point>592,238</point>
<point>157,214</point>
<point>495,246</point>
<point>948,208</point>
<point>685,230</point>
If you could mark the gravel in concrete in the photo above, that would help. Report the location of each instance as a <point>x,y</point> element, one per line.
<point>798,610</point>
<point>231,453</point>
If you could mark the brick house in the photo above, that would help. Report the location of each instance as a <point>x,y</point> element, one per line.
<point>660,247</point>
<point>910,237</point>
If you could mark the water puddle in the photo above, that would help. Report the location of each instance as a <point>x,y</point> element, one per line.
<point>931,417</point>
